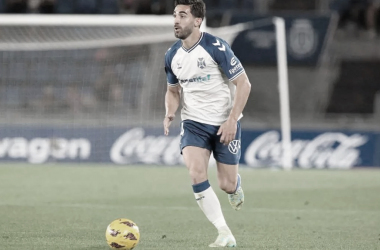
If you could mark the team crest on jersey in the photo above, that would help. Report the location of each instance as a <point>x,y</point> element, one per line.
<point>201,63</point>
<point>234,146</point>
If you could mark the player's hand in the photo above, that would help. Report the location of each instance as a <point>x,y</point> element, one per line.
<point>167,121</point>
<point>227,131</point>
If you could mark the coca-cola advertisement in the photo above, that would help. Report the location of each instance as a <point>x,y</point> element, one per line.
<point>138,145</point>
<point>324,149</point>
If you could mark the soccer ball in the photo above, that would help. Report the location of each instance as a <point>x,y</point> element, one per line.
<point>122,234</point>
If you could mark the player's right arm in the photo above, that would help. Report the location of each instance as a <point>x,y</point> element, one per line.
<point>172,96</point>
<point>172,99</point>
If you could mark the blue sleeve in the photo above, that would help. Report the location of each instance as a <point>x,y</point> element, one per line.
<point>226,59</point>
<point>170,77</point>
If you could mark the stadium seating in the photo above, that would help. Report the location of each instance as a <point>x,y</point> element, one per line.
<point>355,89</point>
<point>293,5</point>
<point>79,6</point>
<point>86,6</point>
<point>339,5</point>
<point>65,6</point>
<point>225,5</point>
<point>108,7</point>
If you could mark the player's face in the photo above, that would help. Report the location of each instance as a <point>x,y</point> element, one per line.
<point>184,21</point>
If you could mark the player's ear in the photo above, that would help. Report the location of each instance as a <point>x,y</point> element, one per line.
<point>198,22</point>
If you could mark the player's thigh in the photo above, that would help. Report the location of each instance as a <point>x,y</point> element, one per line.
<point>196,160</point>
<point>228,154</point>
<point>227,176</point>
<point>195,143</point>
<point>227,158</point>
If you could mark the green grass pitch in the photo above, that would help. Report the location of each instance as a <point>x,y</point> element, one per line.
<point>58,207</point>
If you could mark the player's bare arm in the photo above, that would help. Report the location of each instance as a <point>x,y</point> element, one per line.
<point>172,100</point>
<point>228,129</point>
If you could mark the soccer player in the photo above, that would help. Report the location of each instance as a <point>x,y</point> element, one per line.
<point>204,73</point>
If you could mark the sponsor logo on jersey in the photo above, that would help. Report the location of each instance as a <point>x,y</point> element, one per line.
<point>195,79</point>
<point>236,69</point>
<point>234,146</point>
<point>233,61</point>
<point>201,63</point>
<point>179,66</point>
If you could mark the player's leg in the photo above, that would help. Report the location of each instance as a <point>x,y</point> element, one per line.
<point>227,158</point>
<point>230,182</point>
<point>225,237</point>
<point>196,153</point>
<point>196,160</point>
<point>227,177</point>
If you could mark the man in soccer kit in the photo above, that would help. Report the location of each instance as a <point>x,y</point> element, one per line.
<point>204,74</point>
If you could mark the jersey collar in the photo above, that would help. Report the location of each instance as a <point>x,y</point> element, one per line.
<point>195,45</point>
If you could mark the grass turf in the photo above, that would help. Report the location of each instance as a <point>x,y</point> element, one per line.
<point>69,207</point>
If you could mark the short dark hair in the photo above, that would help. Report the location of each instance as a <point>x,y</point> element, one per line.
<point>197,7</point>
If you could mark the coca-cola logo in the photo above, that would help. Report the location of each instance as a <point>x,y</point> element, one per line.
<point>327,150</point>
<point>135,147</point>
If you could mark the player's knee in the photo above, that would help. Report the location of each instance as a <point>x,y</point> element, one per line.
<point>197,174</point>
<point>228,186</point>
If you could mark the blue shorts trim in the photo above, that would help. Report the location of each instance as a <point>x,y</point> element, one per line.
<point>205,136</point>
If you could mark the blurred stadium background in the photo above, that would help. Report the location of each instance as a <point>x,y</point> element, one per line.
<point>69,92</point>
<point>82,91</point>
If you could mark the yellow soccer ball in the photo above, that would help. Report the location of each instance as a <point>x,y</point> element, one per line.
<point>122,234</point>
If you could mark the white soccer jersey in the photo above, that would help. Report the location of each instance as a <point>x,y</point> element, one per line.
<point>204,72</point>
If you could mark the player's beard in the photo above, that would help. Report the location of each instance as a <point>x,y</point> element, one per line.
<point>183,33</point>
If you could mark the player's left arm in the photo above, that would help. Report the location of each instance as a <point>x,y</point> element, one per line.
<point>234,70</point>
<point>228,129</point>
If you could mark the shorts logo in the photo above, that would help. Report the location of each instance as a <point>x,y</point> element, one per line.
<point>201,63</point>
<point>234,146</point>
